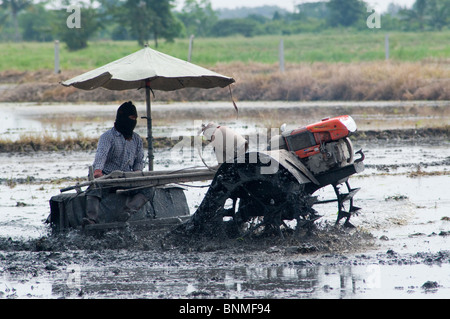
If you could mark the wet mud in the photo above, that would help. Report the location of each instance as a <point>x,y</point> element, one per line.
<point>399,248</point>
<point>86,267</point>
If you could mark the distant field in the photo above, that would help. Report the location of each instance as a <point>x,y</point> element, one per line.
<point>330,47</point>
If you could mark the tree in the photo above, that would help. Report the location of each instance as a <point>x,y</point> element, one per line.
<point>227,27</point>
<point>146,18</point>
<point>416,15</point>
<point>393,9</point>
<point>14,7</point>
<point>139,19</point>
<point>345,12</point>
<point>438,13</point>
<point>198,17</point>
<point>77,38</point>
<point>427,14</point>
<point>165,24</point>
<point>318,10</point>
<point>35,22</point>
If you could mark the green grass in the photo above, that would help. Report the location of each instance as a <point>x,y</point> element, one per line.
<point>335,46</point>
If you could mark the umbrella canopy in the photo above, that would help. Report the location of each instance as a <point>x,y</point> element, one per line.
<point>152,70</point>
<point>165,73</point>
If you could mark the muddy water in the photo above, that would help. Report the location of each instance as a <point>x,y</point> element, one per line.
<point>406,216</point>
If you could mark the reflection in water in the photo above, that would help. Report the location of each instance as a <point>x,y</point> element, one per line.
<point>280,282</point>
<point>277,282</point>
<point>241,282</point>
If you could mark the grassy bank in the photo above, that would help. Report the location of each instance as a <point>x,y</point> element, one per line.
<point>332,46</point>
<point>319,81</point>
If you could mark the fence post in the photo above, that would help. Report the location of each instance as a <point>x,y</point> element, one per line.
<point>191,45</point>
<point>386,46</point>
<point>57,69</point>
<point>281,55</point>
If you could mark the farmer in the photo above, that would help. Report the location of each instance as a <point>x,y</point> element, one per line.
<point>119,149</point>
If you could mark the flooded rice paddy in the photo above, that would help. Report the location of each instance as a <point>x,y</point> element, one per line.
<point>399,249</point>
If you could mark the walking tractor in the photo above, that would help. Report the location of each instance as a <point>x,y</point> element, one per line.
<point>254,194</point>
<point>258,191</point>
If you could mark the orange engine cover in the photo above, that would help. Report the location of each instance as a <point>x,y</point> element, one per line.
<point>335,128</point>
<point>306,141</point>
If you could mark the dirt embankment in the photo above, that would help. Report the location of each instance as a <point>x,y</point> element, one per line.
<point>259,82</point>
<point>435,134</point>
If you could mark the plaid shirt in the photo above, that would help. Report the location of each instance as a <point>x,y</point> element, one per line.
<point>114,153</point>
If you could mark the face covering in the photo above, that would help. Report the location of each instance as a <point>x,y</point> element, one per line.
<point>123,123</point>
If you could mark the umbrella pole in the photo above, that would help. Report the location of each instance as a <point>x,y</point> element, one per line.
<point>149,126</point>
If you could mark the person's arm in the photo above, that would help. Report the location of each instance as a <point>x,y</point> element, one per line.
<point>139,159</point>
<point>103,147</point>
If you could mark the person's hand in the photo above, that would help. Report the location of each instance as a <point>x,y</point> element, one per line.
<point>98,173</point>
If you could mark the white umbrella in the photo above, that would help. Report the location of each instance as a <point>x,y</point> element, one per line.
<point>152,70</point>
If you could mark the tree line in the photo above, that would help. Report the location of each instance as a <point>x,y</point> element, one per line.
<point>152,20</point>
